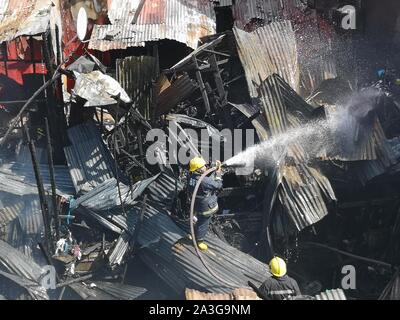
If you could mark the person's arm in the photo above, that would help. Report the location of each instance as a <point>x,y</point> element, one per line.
<point>296,288</point>
<point>212,183</point>
<point>263,291</point>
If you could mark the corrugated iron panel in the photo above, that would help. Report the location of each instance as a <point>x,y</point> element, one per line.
<point>23,18</point>
<point>273,105</point>
<point>175,93</point>
<point>367,170</point>
<point>121,291</point>
<point>105,197</point>
<point>13,184</point>
<point>268,50</point>
<point>358,143</point>
<point>90,162</point>
<point>249,12</point>
<point>237,294</point>
<point>245,11</point>
<point>18,264</point>
<point>302,190</point>
<point>223,3</point>
<point>9,210</point>
<point>185,21</point>
<point>137,76</point>
<point>336,294</point>
<point>31,219</point>
<point>25,171</point>
<point>259,123</point>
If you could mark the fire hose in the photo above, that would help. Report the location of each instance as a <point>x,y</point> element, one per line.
<point>196,189</point>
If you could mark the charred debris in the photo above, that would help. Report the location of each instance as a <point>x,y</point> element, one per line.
<point>78,193</point>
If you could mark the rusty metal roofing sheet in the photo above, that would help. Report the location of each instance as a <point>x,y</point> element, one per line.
<point>22,18</point>
<point>10,207</point>
<point>185,21</point>
<point>266,51</point>
<point>137,76</point>
<point>302,190</point>
<point>16,185</point>
<point>247,10</point>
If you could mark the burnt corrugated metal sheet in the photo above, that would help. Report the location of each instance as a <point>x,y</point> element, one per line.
<point>16,263</point>
<point>245,11</point>
<point>223,3</point>
<point>237,294</point>
<point>301,189</point>
<point>31,219</point>
<point>89,161</point>
<point>367,170</point>
<point>106,196</point>
<point>9,210</point>
<point>392,290</point>
<point>175,93</point>
<point>337,294</point>
<point>63,180</point>
<point>23,18</point>
<point>121,291</point>
<point>266,51</point>
<point>274,107</point>
<point>185,21</point>
<point>13,184</point>
<point>137,76</point>
<point>259,123</point>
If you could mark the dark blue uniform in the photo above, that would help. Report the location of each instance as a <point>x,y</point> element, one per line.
<point>280,288</point>
<point>206,203</point>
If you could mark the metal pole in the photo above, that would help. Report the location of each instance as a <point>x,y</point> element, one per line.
<point>52,180</point>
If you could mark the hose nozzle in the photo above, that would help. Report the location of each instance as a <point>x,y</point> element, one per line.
<point>233,166</point>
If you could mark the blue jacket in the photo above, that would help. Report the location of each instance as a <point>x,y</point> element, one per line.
<point>206,198</point>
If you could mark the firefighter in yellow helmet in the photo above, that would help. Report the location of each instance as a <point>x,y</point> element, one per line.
<point>279,286</point>
<point>206,202</point>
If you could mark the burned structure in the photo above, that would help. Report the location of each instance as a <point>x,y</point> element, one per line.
<point>91,130</point>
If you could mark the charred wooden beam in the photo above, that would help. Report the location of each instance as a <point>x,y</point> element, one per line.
<point>202,86</point>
